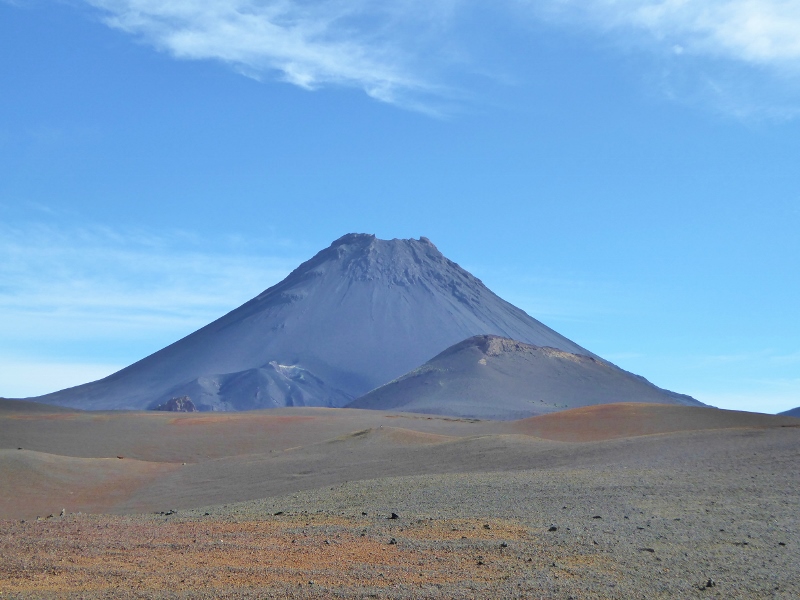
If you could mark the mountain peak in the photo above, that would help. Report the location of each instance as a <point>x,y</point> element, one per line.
<point>354,238</point>
<point>364,257</point>
<point>495,345</point>
<point>364,240</point>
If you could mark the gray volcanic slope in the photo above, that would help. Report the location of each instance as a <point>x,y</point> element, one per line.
<point>490,377</point>
<point>358,314</point>
<point>792,412</point>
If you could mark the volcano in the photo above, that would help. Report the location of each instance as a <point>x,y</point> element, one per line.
<point>359,314</point>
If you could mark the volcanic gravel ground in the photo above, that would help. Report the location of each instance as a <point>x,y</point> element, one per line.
<point>721,523</point>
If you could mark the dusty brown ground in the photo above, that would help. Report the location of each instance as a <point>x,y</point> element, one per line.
<point>218,557</point>
<point>667,503</point>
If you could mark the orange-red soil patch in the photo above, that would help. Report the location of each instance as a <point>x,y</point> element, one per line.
<point>151,554</point>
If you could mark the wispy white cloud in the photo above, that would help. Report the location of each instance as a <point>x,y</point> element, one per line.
<point>755,31</point>
<point>84,283</point>
<point>380,47</point>
<point>741,55</point>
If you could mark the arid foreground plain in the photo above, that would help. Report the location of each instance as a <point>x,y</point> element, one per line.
<point>612,501</point>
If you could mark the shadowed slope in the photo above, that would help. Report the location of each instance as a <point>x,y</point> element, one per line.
<point>355,316</point>
<point>793,412</point>
<point>490,377</point>
<point>26,406</point>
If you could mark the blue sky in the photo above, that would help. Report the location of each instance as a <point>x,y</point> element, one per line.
<point>623,170</point>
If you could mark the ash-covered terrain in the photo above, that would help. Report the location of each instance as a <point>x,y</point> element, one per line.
<point>614,501</point>
<point>358,315</point>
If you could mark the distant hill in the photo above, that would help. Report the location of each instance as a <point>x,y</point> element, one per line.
<point>26,406</point>
<point>490,377</point>
<point>358,314</point>
<point>792,412</point>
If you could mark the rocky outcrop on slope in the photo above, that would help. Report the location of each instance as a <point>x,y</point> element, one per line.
<point>181,404</point>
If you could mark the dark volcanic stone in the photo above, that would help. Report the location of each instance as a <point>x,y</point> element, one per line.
<point>182,404</point>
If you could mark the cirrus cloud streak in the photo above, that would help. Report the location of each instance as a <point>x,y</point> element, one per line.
<point>377,47</point>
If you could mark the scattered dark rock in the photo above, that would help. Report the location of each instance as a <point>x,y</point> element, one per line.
<point>363,514</point>
<point>392,541</point>
<point>180,404</point>
<point>553,528</point>
<point>120,457</point>
<point>597,517</point>
<point>487,526</point>
<point>646,550</point>
<point>781,543</point>
<point>394,516</point>
<point>504,545</point>
<point>280,512</point>
<point>710,583</point>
